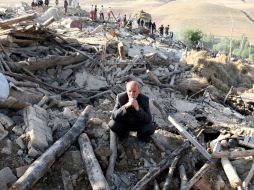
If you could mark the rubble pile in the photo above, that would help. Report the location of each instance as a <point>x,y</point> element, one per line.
<point>50,138</point>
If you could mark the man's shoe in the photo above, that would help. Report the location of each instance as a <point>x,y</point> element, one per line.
<point>123,138</point>
<point>145,139</point>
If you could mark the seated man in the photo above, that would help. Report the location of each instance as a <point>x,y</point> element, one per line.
<point>132,113</point>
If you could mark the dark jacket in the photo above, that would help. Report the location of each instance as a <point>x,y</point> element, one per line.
<point>130,115</point>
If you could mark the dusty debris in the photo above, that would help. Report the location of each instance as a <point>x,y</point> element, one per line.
<point>51,67</point>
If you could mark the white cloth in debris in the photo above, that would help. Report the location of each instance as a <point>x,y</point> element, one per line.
<point>4,87</point>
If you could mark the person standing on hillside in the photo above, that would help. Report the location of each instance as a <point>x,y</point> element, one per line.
<point>161,29</point>
<point>92,13</point>
<point>65,6</point>
<point>138,21</point>
<point>150,26</point>
<point>153,27</point>
<point>124,20</point>
<point>95,12</point>
<point>46,2</point>
<point>101,13</point>
<point>132,113</point>
<point>167,30</point>
<point>142,23</point>
<point>109,13</point>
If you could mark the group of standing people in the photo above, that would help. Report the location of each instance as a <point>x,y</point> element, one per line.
<point>165,30</point>
<point>94,13</point>
<point>39,3</point>
<point>150,25</point>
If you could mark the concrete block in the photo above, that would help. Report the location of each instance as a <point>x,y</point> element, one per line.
<point>38,140</point>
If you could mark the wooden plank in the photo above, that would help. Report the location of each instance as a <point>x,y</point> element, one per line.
<point>183,132</point>
<point>11,21</point>
<point>197,176</point>
<point>93,168</point>
<point>233,154</point>
<point>232,176</point>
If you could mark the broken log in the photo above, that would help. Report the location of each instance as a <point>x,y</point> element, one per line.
<point>161,167</point>
<point>6,23</point>
<point>113,156</point>
<point>93,168</point>
<point>183,132</point>
<point>47,62</point>
<point>197,176</point>
<point>233,154</point>
<point>41,165</point>
<point>248,177</point>
<point>170,173</point>
<point>183,177</point>
<point>231,174</point>
<point>38,81</point>
<point>26,84</point>
<point>229,92</point>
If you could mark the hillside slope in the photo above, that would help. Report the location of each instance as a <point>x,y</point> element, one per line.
<point>209,17</point>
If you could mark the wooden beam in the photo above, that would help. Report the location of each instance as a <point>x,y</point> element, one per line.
<point>113,156</point>
<point>233,154</point>
<point>231,174</point>
<point>47,62</point>
<point>183,177</point>
<point>93,168</point>
<point>164,164</point>
<point>197,176</point>
<point>170,173</point>
<point>248,177</point>
<point>183,132</point>
<point>6,23</point>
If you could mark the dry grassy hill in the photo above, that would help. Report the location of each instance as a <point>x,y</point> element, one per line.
<point>216,18</point>
<point>211,16</point>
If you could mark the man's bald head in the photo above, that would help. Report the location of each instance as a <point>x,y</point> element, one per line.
<point>132,89</point>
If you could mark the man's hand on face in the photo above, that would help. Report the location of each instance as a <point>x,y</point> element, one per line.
<point>134,103</point>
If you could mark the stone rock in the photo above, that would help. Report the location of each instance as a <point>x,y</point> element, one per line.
<point>187,120</point>
<point>20,142</point>
<point>3,133</point>
<point>91,82</point>
<point>6,121</point>
<point>69,114</point>
<point>72,162</point>
<point>18,130</point>
<point>37,140</point>
<point>21,170</point>
<point>37,129</point>
<point>65,74</point>
<point>76,24</point>
<point>6,177</point>
<point>33,152</point>
<point>183,105</point>
<point>8,148</point>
